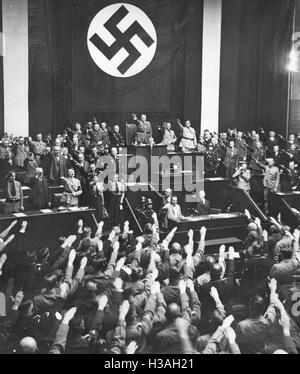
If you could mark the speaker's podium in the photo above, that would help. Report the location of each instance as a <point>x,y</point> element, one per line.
<point>144,150</point>
<point>148,153</point>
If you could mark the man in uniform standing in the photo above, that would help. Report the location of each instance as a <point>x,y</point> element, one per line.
<point>243,176</point>
<point>241,146</point>
<point>231,160</point>
<point>140,212</point>
<point>144,129</point>
<point>188,142</point>
<point>290,178</point>
<point>271,181</point>
<point>38,147</point>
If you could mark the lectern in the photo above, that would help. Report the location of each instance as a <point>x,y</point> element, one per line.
<point>147,152</point>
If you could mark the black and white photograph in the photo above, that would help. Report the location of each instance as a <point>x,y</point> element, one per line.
<point>149,179</point>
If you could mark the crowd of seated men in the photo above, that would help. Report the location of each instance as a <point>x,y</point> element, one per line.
<point>113,292</point>
<point>255,162</point>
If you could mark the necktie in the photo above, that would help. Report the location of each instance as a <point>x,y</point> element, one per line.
<point>174,212</point>
<point>13,189</point>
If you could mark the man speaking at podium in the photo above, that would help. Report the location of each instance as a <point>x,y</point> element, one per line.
<point>203,205</point>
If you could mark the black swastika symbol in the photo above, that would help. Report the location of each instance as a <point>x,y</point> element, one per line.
<point>122,40</point>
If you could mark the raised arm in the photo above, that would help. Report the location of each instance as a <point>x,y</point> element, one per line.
<point>296,252</point>
<point>5,232</point>
<point>186,312</point>
<point>219,305</point>
<point>195,302</point>
<point>230,275</point>
<point>167,240</point>
<point>119,338</point>
<point>60,341</point>
<point>221,260</point>
<point>179,124</point>
<point>111,265</point>
<point>182,326</point>
<point>200,251</point>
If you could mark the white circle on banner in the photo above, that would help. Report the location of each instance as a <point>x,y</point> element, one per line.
<point>122,40</point>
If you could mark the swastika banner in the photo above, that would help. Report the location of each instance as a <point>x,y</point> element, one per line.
<point>134,56</point>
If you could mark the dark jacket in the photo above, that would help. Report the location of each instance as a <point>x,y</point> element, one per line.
<point>203,209</point>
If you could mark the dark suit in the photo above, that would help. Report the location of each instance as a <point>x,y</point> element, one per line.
<point>278,158</point>
<point>40,194</point>
<point>203,209</point>
<point>224,287</point>
<point>241,147</point>
<point>284,271</point>
<point>270,145</point>
<point>58,169</point>
<point>5,161</point>
<point>231,161</point>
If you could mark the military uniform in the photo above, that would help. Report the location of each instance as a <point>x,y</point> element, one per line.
<point>243,181</point>
<point>38,148</point>
<point>116,140</point>
<point>189,140</point>
<point>241,147</point>
<point>271,182</point>
<point>144,132</point>
<point>289,180</point>
<point>72,191</point>
<point>169,140</point>
<point>231,161</point>
<point>211,163</point>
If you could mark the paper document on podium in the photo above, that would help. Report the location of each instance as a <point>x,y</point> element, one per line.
<point>19,215</point>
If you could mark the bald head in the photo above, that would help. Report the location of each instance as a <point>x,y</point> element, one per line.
<point>209,262</point>
<point>280,352</point>
<point>169,192</point>
<point>173,311</point>
<point>176,248</point>
<point>28,345</point>
<point>252,227</point>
